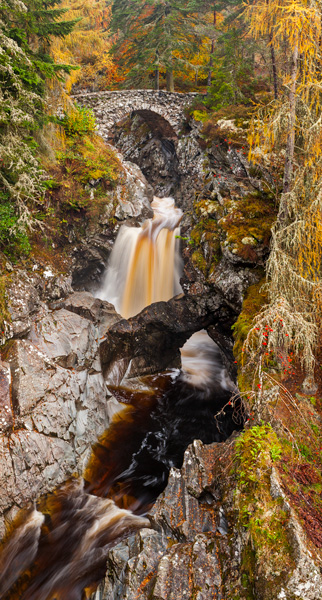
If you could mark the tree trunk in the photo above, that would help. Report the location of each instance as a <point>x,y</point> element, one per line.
<point>169,80</point>
<point>157,79</point>
<point>273,59</point>
<point>211,62</point>
<point>289,152</point>
<point>211,58</point>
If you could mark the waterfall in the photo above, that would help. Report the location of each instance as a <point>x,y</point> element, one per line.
<point>202,365</point>
<point>145,264</point>
<point>61,546</point>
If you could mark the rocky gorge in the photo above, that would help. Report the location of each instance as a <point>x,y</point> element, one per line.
<point>62,345</point>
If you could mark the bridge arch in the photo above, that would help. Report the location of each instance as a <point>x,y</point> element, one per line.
<point>163,111</point>
<point>159,125</point>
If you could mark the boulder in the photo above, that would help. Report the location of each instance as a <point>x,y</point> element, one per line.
<point>66,338</point>
<point>151,340</point>
<point>98,311</point>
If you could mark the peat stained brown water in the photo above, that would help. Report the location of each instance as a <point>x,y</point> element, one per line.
<point>132,460</point>
<point>58,548</point>
<point>145,263</point>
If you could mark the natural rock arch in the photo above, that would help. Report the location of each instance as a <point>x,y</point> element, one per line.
<point>163,111</point>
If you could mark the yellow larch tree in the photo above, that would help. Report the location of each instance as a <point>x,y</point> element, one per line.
<point>88,46</point>
<point>290,128</point>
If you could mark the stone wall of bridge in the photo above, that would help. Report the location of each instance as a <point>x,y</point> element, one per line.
<point>164,111</point>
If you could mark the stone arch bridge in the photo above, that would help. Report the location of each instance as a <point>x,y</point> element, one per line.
<point>163,111</point>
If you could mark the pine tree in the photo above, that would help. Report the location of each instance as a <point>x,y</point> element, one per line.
<point>24,67</point>
<point>20,175</point>
<point>33,29</point>
<point>153,37</point>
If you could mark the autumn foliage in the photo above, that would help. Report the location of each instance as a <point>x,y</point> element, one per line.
<point>88,46</point>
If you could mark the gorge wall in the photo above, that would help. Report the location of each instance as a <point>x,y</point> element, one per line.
<point>61,345</point>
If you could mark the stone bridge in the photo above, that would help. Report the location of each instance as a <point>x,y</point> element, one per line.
<point>163,111</point>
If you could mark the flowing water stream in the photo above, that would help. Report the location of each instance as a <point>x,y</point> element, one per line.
<point>145,262</point>
<point>59,549</point>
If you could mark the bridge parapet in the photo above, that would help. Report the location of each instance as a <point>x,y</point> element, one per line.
<point>110,107</point>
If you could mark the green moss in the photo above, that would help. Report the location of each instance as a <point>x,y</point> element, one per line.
<point>247,572</point>
<point>254,300</point>
<point>250,217</point>
<point>87,158</point>
<point>199,261</point>
<point>263,516</point>
<point>206,231</point>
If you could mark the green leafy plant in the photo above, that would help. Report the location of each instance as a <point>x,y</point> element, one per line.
<point>78,121</point>
<point>275,452</point>
<point>13,235</point>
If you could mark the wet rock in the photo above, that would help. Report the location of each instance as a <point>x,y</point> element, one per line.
<point>179,558</point>
<point>151,340</point>
<point>31,372</point>
<point>181,514</point>
<point>90,258</point>
<point>98,311</point>
<point>132,566</point>
<point>233,281</point>
<point>57,286</point>
<point>138,197</point>
<point>31,464</point>
<point>189,570</point>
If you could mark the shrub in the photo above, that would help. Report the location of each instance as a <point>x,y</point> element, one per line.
<point>13,235</point>
<point>78,121</point>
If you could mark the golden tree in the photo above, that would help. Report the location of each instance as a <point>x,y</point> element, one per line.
<point>88,46</point>
<point>291,126</point>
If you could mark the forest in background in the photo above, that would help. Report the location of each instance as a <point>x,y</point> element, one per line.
<point>261,60</point>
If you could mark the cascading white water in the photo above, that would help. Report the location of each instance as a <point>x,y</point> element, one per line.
<point>145,267</point>
<point>145,263</point>
<point>83,528</point>
<point>202,364</point>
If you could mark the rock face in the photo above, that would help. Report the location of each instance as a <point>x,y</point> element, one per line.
<point>128,202</point>
<point>150,341</point>
<point>178,558</point>
<point>197,548</point>
<point>53,397</point>
<point>228,212</point>
<point>54,402</point>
